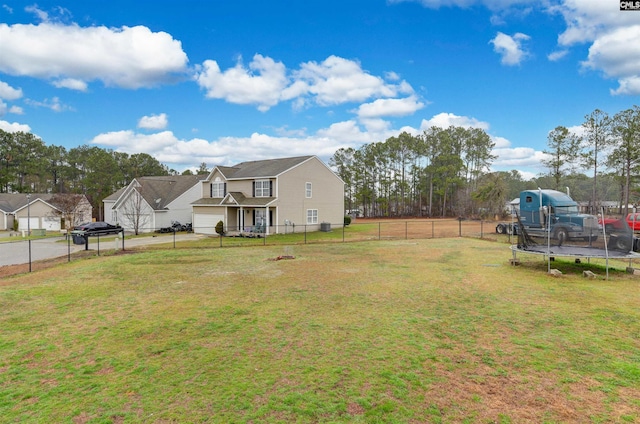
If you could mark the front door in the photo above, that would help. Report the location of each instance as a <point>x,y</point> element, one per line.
<point>260,220</point>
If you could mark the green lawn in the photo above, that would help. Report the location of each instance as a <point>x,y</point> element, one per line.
<point>404,331</point>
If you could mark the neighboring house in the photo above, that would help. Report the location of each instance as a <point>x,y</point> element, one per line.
<point>270,196</point>
<point>150,203</point>
<point>43,211</point>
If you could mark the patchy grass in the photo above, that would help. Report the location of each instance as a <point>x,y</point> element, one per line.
<point>437,330</point>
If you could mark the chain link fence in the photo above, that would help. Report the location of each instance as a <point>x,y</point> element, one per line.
<point>36,252</point>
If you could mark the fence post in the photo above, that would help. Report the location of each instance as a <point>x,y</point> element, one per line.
<point>459,226</point>
<point>28,235</point>
<point>305,233</point>
<point>174,237</point>
<point>379,223</point>
<point>406,230</point>
<point>481,232</point>
<point>343,228</point>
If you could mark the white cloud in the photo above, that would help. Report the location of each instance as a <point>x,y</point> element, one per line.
<point>14,127</point>
<point>154,122</point>
<point>17,110</point>
<point>40,14</point>
<point>9,93</point>
<point>617,54</point>
<point>390,107</point>
<point>337,80</point>
<point>614,36</point>
<point>54,104</point>
<point>557,55</point>
<point>266,83</point>
<point>518,157</point>
<point>4,109</point>
<point>261,84</point>
<point>129,57</point>
<point>491,4</point>
<point>183,153</point>
<point>72,84</point>
<point>510,48</point>
<point>169,149</point>
<point>445,120</point>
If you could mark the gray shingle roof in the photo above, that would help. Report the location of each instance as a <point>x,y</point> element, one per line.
<point>159,192</point>
<point>261,168</point>
<point>11,202</point>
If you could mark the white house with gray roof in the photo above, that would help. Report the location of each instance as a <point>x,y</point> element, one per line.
<point>270,196</point>
<point>150,203</point>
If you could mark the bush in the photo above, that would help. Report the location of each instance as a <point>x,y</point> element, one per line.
<point>347,220</point>
<point>220,228</point>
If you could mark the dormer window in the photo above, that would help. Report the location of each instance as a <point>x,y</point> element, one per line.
<point>262,188</point>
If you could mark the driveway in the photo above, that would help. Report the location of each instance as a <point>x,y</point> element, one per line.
<point>15,251</point>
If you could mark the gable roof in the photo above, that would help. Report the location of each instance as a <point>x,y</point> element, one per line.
<point>159,192</point>
<point>115,196</point>
<point>260,168</point>
<point>13,202</point>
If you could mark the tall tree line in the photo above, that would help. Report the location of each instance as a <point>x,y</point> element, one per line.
<point>28,165</point>
<point>608,146</point>
<point>430,174</point>
<point>445,171</point>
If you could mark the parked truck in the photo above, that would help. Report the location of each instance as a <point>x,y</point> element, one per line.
<point>550,212</point>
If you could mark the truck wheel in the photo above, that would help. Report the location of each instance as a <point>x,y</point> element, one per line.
<point>622,243</point>
<point>500,229</point>
<point>561,235</point>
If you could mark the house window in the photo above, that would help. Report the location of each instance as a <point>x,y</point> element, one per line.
<point>308,190</point>
<point>218,189</point>
<point>262,188</point>
<point>312,216</point>
<point>114,216</point>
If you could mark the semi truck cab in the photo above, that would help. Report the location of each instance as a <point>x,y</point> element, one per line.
<point>544,212</point>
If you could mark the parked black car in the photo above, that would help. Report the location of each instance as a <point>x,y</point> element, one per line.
<point>91,228</point>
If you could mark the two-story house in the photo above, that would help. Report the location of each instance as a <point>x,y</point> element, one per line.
<point>270,196</point>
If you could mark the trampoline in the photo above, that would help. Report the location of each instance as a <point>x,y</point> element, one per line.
<point>619,243</point>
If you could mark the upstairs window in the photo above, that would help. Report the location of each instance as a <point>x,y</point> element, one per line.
<point>218,189</point>
<point>308,190</point>
<point>262,188</point>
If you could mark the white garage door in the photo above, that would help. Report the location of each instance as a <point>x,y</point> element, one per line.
<point>205,223</point>
<point>51,223</point>
<point>34,223</point>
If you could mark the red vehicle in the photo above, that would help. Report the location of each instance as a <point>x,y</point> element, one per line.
<point>611,224</point>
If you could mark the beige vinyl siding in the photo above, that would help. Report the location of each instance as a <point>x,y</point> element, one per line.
<point>327,195</point>
<point>37,211</point>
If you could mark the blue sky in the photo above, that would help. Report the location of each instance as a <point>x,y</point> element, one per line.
<point>227,81</point>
